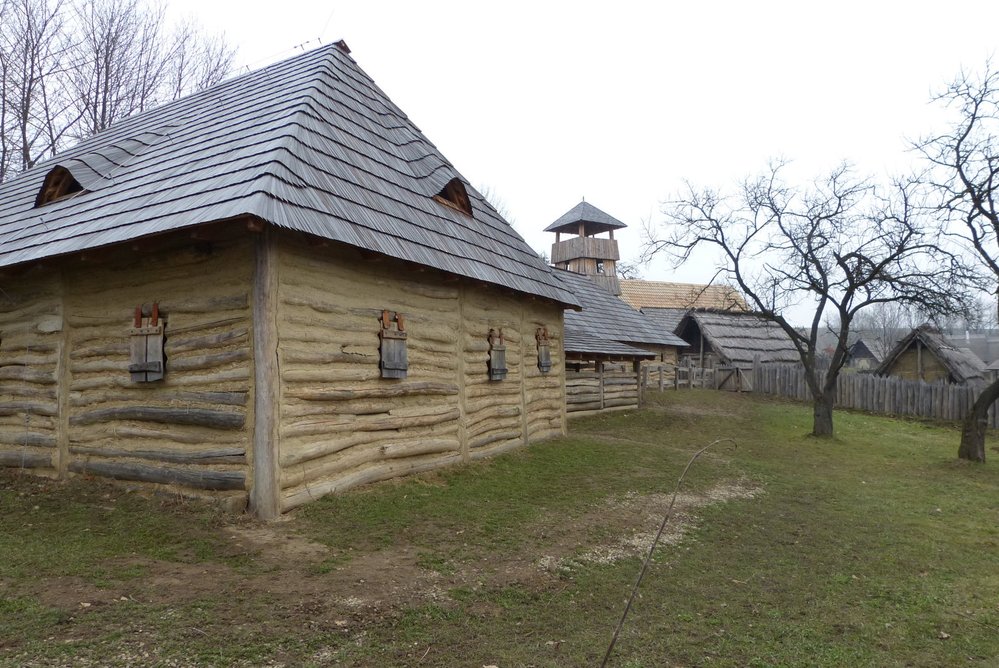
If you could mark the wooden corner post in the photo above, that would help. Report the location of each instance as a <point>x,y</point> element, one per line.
<point>265,489</point>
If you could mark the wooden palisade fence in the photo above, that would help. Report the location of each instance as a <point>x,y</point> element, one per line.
<point>876,394</point>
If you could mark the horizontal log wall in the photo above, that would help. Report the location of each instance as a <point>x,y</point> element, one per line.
<point>341,424</point>
<point>191,429</point>
<point>544,393</point>
<point>889,395</point>
<point>30,349</point>
<point>595,386</point>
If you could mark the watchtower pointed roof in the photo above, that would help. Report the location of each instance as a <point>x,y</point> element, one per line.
<point>595,220</point>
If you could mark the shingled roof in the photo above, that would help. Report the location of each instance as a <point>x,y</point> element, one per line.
<point>962,364</point>
<point>607,318</point>
<point>667,319</point>
<point>739,337</point>
<point>661,294</point>
<point>584,212</point>
<point>308,144</point>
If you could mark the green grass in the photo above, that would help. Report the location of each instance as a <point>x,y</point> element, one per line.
<point>875,548</point>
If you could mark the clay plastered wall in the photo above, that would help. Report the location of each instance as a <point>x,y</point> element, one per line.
<point>544,393</point>
<point>30,347</point>
<point>341,424</point>
<point>907,366</point>
<point>190,429</point>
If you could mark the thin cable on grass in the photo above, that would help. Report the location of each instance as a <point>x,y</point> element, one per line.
<point>655,543</point>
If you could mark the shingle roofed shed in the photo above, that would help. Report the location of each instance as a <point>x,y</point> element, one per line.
<point>308,144</point>
<point>606,317</point>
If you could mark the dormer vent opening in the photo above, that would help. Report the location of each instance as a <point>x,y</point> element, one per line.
<point>59,184</point>
<point>455,196</point>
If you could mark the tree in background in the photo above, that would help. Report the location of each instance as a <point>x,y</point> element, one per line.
<point>629,270</point>
<point>840,245</point>
<point>964,168</point>
<point>882,325</point>
<point>71,68</point>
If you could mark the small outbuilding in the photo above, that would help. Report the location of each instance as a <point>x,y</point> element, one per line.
<point>924,354</point>
<point>729,342</point>
<point>860,356</point>
<point>268,291</point>
<point>605,344</point>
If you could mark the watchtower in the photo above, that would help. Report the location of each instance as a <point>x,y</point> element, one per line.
<point>586,253</point>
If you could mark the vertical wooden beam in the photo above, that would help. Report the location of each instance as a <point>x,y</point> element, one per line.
<point>523,375</point>
<point>463,443</point>
<point>700,361</point>
<point>600,381</point>
<point>62,386</point>
<point>636,366</point>
<point>562,366</point>
<point>265,490</point>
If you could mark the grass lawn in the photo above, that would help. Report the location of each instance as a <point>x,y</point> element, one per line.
<point>877,548</point>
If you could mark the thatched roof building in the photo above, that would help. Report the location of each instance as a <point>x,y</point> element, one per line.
<point>271,290</point>
<point>734,339</point>
<point>924,354</point>
<point>861,356</point>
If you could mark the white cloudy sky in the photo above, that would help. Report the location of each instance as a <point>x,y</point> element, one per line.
<point>619,102</point>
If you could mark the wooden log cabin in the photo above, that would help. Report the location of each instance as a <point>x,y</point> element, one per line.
<point>268,291</point>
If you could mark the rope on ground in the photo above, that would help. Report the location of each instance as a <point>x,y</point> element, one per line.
<point>655,543</point>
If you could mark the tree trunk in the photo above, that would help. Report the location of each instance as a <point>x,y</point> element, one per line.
<point>975,423</point>
<point>822,412</point>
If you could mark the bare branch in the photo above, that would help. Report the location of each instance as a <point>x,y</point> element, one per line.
<point>840,245</point>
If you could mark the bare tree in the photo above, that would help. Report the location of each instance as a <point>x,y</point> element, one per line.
<point>119,68</point>
<point>629,270</point>
<point>882,325</point>
<point>964,167</point>
<point>841,245</point>
<point>195,60</point>
<point>71,68</point>
<point>33,41</point>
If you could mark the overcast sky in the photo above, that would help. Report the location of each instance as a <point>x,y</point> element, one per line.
<point>620,102</point>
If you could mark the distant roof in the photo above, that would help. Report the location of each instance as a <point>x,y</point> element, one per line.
<point>668,319</point>
<point>606,317</point>
<point>740,337</point>
<point>597,221</point>
<point>962,364</point>
<point>860,350</point>
<point>661,294</point>
<point>308,144</point>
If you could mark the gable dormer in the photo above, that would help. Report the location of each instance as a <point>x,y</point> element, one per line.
<point>59,184</point>
<point>454,195</point>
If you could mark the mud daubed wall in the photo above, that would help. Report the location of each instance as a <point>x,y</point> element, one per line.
<point>30,352</point>
<point>68,405</point>
<point>64,358</point>
<point>341,424</point>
